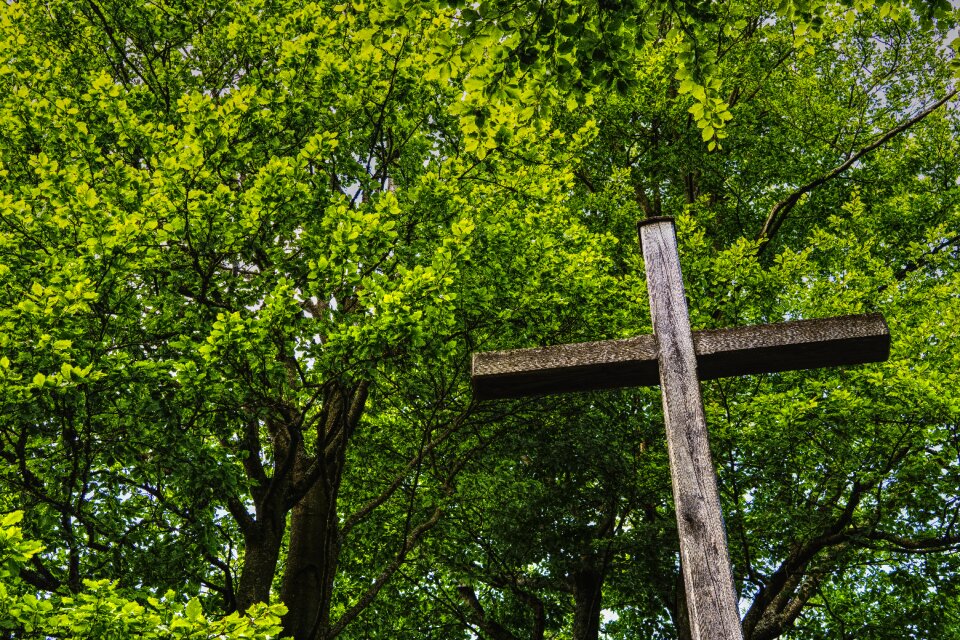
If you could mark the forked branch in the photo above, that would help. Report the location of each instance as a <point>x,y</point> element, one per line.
<point>782,209</point>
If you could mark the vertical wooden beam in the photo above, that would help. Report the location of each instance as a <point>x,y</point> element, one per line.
<point>711,599</point>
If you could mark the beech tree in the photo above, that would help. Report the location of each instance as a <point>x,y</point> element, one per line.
<point>247,249</point>
<point>802,207</point>
<point>235,236</point>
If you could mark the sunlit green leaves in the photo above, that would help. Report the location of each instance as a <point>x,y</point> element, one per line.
<point>242,206</point>
<point>101,609</point>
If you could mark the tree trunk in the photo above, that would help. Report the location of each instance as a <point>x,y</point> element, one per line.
<point>587,592</point>
<point>261,551</point>
<point>491,628</point>
<point>311,564</point>
<point>314,548</point>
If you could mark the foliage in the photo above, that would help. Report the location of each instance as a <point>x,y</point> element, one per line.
<point>247,249</point>
<point>100,610</point>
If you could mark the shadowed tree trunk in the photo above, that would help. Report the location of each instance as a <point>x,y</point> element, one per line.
<point>587,597</point>
<point>312,564</point>
<point>264,529</point>
<point>314,547</point>
<point>261,550</point>
<point>491,628</point>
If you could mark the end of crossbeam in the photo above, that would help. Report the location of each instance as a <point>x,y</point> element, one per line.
<point>791,346</point>
<point>607,364</point>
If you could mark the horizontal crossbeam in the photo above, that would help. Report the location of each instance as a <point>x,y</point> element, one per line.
<point>610,364</point>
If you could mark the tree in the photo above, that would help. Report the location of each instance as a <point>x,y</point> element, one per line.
<point>248,248</point>
<point>230,278</point>
<point>806,178</point>
<point>100,611</point>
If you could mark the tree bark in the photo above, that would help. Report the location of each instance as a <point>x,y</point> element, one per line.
<point>263,531</point>
<point>587,597</point>
<point>315,538</point>
<point>261,551</point>
<point>311,563</point>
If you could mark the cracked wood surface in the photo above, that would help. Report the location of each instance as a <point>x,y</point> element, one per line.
<point>632,362</point>
<point>677,359</point>
<point>704,560</point>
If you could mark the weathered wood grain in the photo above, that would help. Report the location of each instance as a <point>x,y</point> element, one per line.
<point>582,366</point>
<point>676,359</point>
<point>632,362</point>
<point>711,599</point>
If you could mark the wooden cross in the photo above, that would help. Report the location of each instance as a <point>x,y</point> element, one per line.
<point>676,359</point>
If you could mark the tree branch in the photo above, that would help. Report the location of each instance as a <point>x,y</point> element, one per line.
<point>492,628</point>
<point>411,542</point>
<point>357,516</point>
<point>773,597</point>
<point>782,209</point>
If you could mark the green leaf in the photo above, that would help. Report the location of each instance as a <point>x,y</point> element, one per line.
<point>194,609</point>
